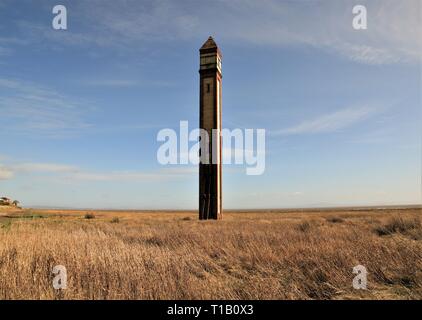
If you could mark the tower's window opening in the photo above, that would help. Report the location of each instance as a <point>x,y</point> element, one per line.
<point>208,87</point>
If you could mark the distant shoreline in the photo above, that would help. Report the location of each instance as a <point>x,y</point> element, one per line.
<point>304,209</point>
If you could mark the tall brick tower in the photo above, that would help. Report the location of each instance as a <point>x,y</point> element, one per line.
<point>210,174</point>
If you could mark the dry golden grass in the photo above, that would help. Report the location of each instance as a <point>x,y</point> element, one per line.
<point>248,255</point>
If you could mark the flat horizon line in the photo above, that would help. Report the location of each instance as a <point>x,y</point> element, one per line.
<point>310,208</point>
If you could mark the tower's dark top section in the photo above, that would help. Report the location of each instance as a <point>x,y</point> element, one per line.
<point>210,43</point>
<point>209,46</point>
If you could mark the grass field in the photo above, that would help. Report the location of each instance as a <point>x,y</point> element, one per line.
<point>248,255</point>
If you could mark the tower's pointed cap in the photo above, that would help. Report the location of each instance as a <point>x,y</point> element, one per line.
<point>210,46</point>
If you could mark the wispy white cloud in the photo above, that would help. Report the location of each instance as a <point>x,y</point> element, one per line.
<point>43,168</point>
<point>370,55</point>
<point>8,44</point>
<point>330,122</point>
<point>5,51</point>
<point>163,174</point>
<point>29,108</point>
<point>5,173</point>
<point>389,37</point>
<point>326,25</point>
<point>12,169</point>
<point>159,175</point>
<point>74,173</point>
<point>124,83</point>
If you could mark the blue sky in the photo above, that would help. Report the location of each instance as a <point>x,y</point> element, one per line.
<point>81,108</point>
